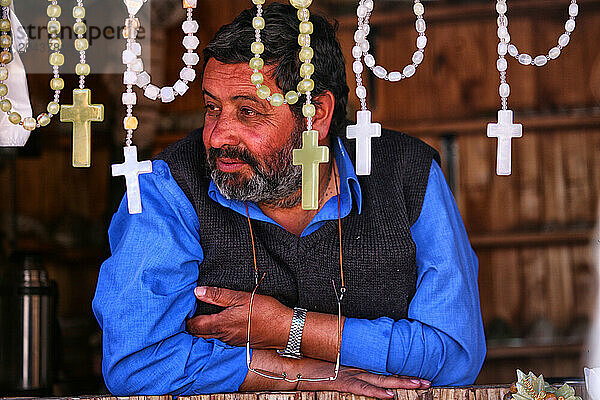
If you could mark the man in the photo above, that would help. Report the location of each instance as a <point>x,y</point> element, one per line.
<point>229,193</point>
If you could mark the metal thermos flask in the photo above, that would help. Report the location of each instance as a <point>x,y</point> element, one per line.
<point>27,327</point>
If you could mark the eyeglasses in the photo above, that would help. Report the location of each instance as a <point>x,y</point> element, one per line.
<point>283,376</point>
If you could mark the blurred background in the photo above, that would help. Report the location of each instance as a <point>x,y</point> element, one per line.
<point>532,231</point>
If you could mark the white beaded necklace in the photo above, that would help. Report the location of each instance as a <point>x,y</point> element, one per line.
<point>136,75</point>
<point>131,168</point>
<point>56,60</point>
<point>364,129</point>
<point>505,129</point>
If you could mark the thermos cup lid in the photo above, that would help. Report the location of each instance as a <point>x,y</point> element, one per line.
<point>26,272</point>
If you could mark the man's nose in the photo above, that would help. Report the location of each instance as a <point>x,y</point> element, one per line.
<point>224,132</point>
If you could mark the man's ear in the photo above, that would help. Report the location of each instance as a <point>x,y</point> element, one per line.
<point>325,104</point>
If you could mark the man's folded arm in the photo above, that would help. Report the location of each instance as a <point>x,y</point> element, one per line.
<point>144,295</point>
<point>442,340</point>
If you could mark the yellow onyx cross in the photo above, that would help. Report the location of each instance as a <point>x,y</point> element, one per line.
<point>82,114</point>
<point>310,156</point>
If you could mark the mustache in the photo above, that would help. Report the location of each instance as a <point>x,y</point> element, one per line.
<point>235,153</point>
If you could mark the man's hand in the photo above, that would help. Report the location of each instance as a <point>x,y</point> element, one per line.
<point>363,383</point>
<point>271,320</point>
<point>349,380</point>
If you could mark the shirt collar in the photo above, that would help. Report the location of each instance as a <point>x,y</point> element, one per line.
<point>348,178</point>
<point>349,191</point>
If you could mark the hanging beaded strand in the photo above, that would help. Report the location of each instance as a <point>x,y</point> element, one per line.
<point>81,114</point>
<point>365,130</point>
<point>554,52</point>
<point>139,77</point>
<point>362,45</point>
<point>131,168</point>
<point>306,54</point>
<point>505,46</point>
<point>82,69</point>
<point>505,130</point>
<point>306,85</point>
<point>5,53</point>
<point>134,65</point>
<point>56,60</point>
<point>311,155</point>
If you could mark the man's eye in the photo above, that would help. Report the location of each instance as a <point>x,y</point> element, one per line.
<point>211,108</point>
<point>248,112</point>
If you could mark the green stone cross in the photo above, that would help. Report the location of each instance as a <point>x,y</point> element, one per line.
<point>82,114</point>
<point>310,156</point>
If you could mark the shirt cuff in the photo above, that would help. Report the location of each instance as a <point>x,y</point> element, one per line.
<point>225,370</point>
<point>365,343</point>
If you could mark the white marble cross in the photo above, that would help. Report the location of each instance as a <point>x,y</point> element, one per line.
<point>131,169</point>
<point>363,131</point>
<point>505,130</point>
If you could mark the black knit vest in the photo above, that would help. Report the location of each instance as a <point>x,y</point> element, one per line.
<point>378,250</point>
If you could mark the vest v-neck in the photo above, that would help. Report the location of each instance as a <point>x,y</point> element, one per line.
<point>350,196</point>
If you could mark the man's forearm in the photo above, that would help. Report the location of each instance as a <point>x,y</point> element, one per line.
<point>271,363</point>
<point>269,360</point>
<point>350,380</point>
<point>321,339</point>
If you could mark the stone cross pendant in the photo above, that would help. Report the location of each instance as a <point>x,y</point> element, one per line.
<point>363,131</point>
<point>131,169</point>
<point>81,114</point>
<point>505,130</point>
<point>310,156</point>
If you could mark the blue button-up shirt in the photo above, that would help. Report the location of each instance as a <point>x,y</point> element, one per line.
<point>145,293</point>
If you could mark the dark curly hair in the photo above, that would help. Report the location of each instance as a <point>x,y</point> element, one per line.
<point>231,45</point>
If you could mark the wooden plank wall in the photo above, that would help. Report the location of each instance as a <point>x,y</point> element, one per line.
<point>532,230</point>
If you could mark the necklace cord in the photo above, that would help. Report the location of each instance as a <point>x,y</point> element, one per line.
<point>253,247</point>
<point>337,189</point>
<point>339,297</point>
<point>250,310</point>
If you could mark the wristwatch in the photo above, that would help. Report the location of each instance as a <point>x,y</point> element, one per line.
<point>292,350</point>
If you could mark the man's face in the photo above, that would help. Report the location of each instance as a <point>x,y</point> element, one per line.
<point>248,141</point>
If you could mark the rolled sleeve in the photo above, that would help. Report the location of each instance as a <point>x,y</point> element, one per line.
<point>366,343</point>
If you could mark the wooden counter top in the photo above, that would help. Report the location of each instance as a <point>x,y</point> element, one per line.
<point>437,393</point>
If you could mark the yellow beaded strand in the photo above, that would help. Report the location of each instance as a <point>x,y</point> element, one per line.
<point>311,154</point>
<point>82,69</point>
<point>306,54</point>
<point>56,60</point>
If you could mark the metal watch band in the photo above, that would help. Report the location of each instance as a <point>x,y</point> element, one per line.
<point>292,349</point>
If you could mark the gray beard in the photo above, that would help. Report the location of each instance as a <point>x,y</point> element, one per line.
<point>276,181</point>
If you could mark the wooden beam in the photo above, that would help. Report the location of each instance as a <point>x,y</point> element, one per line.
<point>571,119</point>
<point>526,239</point>
<point>544,351</point>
